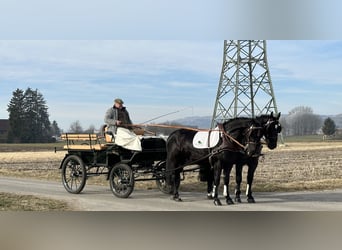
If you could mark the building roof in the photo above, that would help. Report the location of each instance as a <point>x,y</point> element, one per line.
<point>4,124</point>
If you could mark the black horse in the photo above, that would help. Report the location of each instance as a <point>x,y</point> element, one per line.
<point>228,158</point>
<point>271,129</point>
<point>238,135</point>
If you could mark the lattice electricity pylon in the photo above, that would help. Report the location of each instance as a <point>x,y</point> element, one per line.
<point>245,87</point>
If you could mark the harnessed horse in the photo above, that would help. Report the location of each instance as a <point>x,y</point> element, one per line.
<point>271,129</point>
<point>239,135</point>
<point>249,133</point>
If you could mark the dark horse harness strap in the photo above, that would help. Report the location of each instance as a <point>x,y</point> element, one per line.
<point>229,143</point>
<point>226,145</point>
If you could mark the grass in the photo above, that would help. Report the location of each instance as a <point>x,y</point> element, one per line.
<point>29,153</point>
<point>20,147</point>
<point>14,202</point>
<point>310,138</point>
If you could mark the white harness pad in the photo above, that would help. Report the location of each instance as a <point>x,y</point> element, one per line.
<point>206,139</point>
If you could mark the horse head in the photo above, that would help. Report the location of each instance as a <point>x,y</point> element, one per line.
<point>272,128</point>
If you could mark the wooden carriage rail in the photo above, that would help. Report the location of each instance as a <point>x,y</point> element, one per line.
<point>84,142</point>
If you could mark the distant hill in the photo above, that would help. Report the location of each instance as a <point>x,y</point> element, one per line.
<point>205,121</point>
<point>195,121</point>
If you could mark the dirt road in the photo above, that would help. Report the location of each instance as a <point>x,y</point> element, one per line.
<point>99,198</point>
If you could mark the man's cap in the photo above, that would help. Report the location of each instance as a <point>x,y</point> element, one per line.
<point>119,100</point>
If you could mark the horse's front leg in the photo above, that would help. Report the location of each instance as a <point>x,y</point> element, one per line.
<point>238,179</point>
<point>250,176</point>
<point>227,171</point>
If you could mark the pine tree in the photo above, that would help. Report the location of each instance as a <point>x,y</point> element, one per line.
<point>55,130</point>
<point>16,116</point>
<point>329,127</point>
<point>29,118</point>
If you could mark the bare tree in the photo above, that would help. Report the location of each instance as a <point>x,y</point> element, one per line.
<point>90,130</point>
<point>76,127</point>
<point>302,121</point>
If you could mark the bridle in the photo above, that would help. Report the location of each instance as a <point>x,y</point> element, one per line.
<point>276,125</point>
<point>247,134</point>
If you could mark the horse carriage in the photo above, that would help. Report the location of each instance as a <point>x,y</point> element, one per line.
<point>93,155</point>
<point>238,142</point>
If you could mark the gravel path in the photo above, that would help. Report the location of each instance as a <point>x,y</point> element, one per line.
<point>99,198</point>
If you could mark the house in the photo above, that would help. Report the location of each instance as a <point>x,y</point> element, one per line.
<point>4,127</point>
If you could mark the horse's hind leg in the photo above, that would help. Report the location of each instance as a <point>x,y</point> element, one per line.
<point>250,176</point>
<point>238,179</point>
<point>175,186</point>
<point>217,176</point>
<point>227,171</point>
<point>210,181</point>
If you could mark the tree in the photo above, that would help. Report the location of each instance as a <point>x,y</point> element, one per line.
<point>329,126</point>
<point>37,123</point>
<point>76,127</point>
<point>28,116</point>
<point>90,130</point>
<point>285,126</point>
<point>55,130</point>
<point>16,116</point>
<point>302,121</point>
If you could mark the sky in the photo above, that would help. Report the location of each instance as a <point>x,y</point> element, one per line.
<point>163,56</point>
<point>80,78</point>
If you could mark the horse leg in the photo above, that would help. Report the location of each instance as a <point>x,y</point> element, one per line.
<point>210,180</point>
<point>227,171</point>
<point>176,183</point>
<point>217,176</point>
<point>238,179</point>
<point>173,179</point>
<point>250,176</point>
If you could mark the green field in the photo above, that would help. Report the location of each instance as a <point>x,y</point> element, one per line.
<point>19,147</point>
<point>309,138</point>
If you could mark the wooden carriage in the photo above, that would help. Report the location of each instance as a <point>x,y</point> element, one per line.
<point>93,155</point>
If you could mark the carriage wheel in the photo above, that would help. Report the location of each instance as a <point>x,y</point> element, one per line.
<point>161,181</point>
<point>121,180</point>
<point>73,174</point>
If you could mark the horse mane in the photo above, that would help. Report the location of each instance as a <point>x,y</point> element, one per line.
<point>237,123</point>
<point>263,118</point>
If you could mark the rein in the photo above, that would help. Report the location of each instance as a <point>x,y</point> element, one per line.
<point>188,128</point>
<point>164,126</point>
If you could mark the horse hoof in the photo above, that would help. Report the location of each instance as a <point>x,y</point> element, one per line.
<point>217,202</point>
<point>237,199</point>
<point>176,198</point>
<point>251,200</point>
<point>229,201</point>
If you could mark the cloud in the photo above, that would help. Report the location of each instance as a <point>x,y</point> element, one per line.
<point>79,79</point>
<point>316,62</point>
<point>92,73</point>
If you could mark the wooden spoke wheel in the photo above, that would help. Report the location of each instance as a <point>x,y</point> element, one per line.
<point>73,174</point>
<point>121,180</point>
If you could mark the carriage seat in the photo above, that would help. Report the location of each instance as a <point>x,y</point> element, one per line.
<point>83,142</point>
<point>108,135</point>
